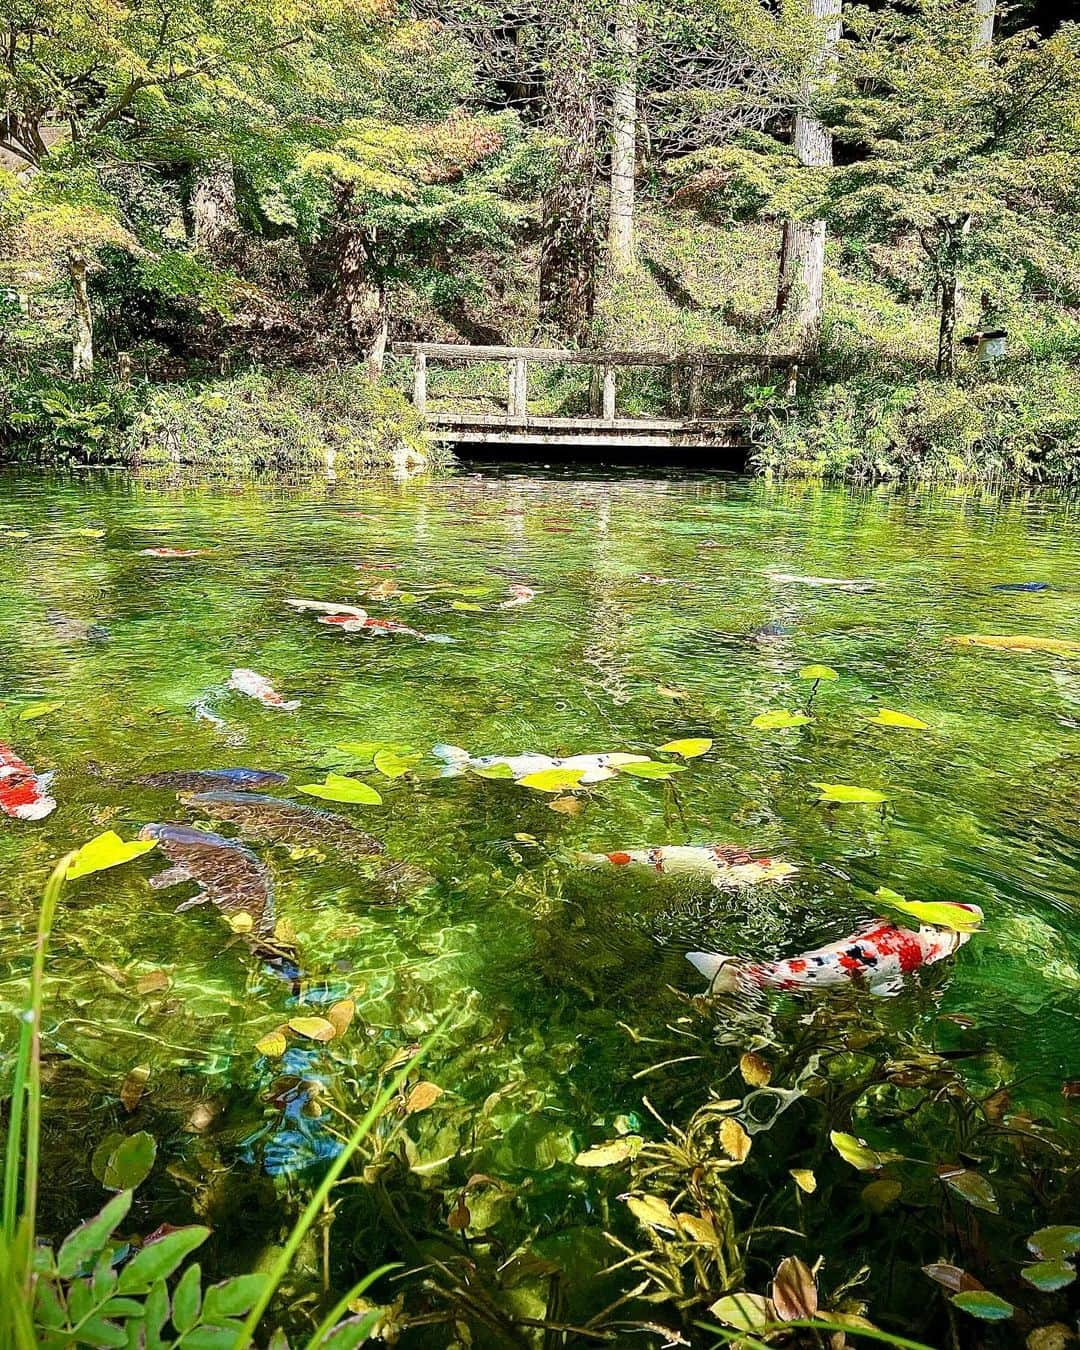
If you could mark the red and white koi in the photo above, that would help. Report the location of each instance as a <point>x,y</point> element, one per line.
<point>722,864</point>
<point>595,768</point>
<point>24,794</point>
<point>878,956</point>
<point>519,595</point>
<point>259,687</point>
<point>164,552</point>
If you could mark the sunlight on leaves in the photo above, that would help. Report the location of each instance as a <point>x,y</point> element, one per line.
<point>858,1153</point>
<point>734,1140</point>
<point>652,1212</point>
<point>107,850</point>
<point>779,720</point>
<point>804,1179</point>
<point>744,1312</point>
<point>313,1028</point>
<point>272,1045</point>
<point>339,788</point>
<point>497,772</point>
<point>689,748</point>
<point>756,1071</point>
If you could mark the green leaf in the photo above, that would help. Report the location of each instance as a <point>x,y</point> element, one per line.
<point>187,1298</point>
<point>130,1162</point>
<point>365,751</point>
<point>846,794</point>
<point>606,1155</point>
<point>392,765</point>
<point>96,1331</point>
<point>974,1188</point>
<point>232,1298</point>
<point>552,780</point>
<point>466,605</point>
<point>470,590</point>
<point>407,598</point>
<point>211,1338</point>
<point>888,718</point>
<point>941,913</point>
<point>744,1312</point>
<point>158,1260</point>
<point>33,711</point>
<point>818,673</point>
<point>983,1304</point>
<point>352,1332</point>
<point>85,532</point>
<point>779,720</point>
<point>107,850</point>
<point>501,772</point>
<point>1061,1239</point>
<point>82,1245</point>
<point>1049,1275</point>
<point>858,1153</point>
<point>339,788</point>
<point>689,748</point>
<point>651,768</point>
<point>157,1312</point>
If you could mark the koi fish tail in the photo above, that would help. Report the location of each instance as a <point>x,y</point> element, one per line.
<point>455,760</point>
<point>722,972</point>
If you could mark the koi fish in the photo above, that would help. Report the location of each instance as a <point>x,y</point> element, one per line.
<point>1058,646</point>
<point>722,864</point>
<point>349,623</point>
<point>258,687</point>
<point>199,780</point>
<point>1022,586</point>
<point>841,583</point>
<point>229,876</point>
<point>596,768</point>
<point>24,794</point>
<point>878,956</point>
<point>325,607</point>
<point>519,595</point>
<point>164,552</point>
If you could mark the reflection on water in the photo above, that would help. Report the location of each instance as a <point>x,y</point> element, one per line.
<point>664,608</point>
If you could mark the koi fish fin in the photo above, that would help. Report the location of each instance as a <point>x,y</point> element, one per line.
<point>887,988</point>
<point>721,971</point>
<point>437,637</point>
<point>455,760</point>
<point>172,876</point>
<point>199,898</point>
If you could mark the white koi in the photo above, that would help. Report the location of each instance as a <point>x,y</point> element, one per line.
<point>840,583</point>
<point>259,687</point>
<point>722,864</point>
<point>325,607</point>
<point>594,768</point>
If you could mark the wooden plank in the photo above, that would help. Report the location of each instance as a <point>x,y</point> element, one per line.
<point>730,440</point>
<point>519,409</point>
<point>420,383</point>
<point>618,424</point>
<point>608,410</point>
<point>452,351</point>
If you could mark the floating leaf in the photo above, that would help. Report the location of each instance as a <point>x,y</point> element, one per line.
<point>804,1179</point>
<point>1059,646</point>
<point>85,532</point>
<point>130,1162</point>
<point>567,806</point>
<point>858,1153</point>
<point>422,1096</point>
<point>339,788</point>
<point>33,711</point>
<point>341,1014</point>
<point>273,1044</point>
<point>1049,1275</point>
<point>779,720</point>
<point>888,718</point>
<point>1060,1240</point>
<point>794,1293</point>
<point>467,606</point>
<point>818,673</point>
<point>652,1212</point>
<point>133,1086</point>
<point>499,772</point>
<point>407,598</point>
<point>983,1304</point>
<point>651,768</point>
<point>846,794</point>
<point>690,747</point>
<point>733,1139</point>
<point>973,1186</point>
<point>552,780</point>
<point>673,694</point>
<point>942,913</point>
<point>314,1028</point>
<point>879,1195</point>
<point>755,1070</point>
<point>391,764</point>
<point>524,838</point>
<point>744,1312</point>
<point>240,922</point>
<point>107,850</point>
<point>616,1151</point>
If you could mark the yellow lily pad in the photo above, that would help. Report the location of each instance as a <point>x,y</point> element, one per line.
<point>888,718</point>
<point>552,780</point>
<point>107,850</point>
<point>846,794</point>
<point>339,788</point>
<point>690,747</point>
<point>779,720</point>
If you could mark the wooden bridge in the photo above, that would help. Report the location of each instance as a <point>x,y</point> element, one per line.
<point>687,426</point>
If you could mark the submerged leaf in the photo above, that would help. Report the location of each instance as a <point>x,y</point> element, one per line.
<point>651,768</point>
<point>567,806</point>
<point>498,772</point>
<point>804,1179</point>
<point>616,1151</point>
<point>1059,646</point>
<point>422,1096</point>
<point>846,794</point>
<point>888,718</point>
<point>107,850</point>
<point>133,1086</point>
<point>391,764</point>
<point>652,1211</point>
<point>552,780</point>
<point>818,673</point>
<point>794,1292</point>
<point>734,1140</point>
<point>941,913</point>
<point>341,1014</point>
<point>339,788</point>
<point>690,747</point>
<point>1049,1275</point>
<point>858,1153</point>
<point>273,1044</point>
<point>879,1195</point>
<point>1061,1239</point>
<point>779,720</point>
<point>130,1162</point>
<point>973,1186</point>
<point>467,606</point>
<point>314,1028</point>
<point>744,1312</point>
<point>755,1070</point>
<point>33,711</point>
<point>983,1304</point>
<point>673,694</point>
<point>951,1277</point>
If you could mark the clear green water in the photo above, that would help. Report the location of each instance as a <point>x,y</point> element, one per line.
<point>543,966</point>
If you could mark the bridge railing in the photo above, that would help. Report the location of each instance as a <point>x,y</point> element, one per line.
<point>692,367</point>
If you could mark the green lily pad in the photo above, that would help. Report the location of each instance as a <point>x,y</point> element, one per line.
<point>848,795</point>
<point>888,718</point>
<point>779,720</point>
<point>651,768</point>
<point>339,788</point>
<point>818,673</point>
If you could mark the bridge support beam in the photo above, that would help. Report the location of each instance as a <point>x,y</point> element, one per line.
<point>419,387</point>
<point>518,390</point>
<point>608,412</point>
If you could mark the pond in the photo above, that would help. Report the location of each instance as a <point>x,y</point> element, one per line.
<point>649,610</point>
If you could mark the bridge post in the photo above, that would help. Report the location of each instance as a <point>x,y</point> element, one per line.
<point>419,388</point>
<point>609,394</point>
<point>517,398</point>
<point>694,397</point>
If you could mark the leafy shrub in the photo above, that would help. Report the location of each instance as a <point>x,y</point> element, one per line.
<point>61,419</point>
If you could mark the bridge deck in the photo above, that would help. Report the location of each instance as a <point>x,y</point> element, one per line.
<point>487,429</point>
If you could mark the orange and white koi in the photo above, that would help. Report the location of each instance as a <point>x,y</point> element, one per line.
<point>24,794</point>
<point>259,687</point>
<point>164,552</point>
<point>595,768</point>
<point>519,595</point>
<point>878,957</point>
<point>722,864</point>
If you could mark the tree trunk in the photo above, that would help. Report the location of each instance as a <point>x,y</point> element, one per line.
<point>946,351</point>
<point>985,14</point>
<point>215,224</point>
<point>623,149</point>
<point>358,294</point>
<point>568,247</point>
<point>802,251</point>
<point>82,350</point>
